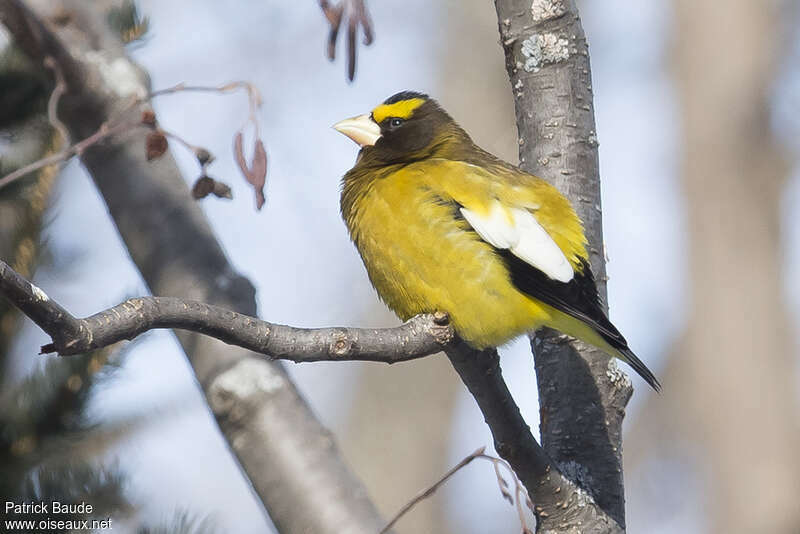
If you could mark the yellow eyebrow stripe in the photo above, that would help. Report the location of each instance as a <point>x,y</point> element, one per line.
<point>402,109</point>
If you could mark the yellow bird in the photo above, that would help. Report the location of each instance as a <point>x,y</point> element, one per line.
<point>442,225</point>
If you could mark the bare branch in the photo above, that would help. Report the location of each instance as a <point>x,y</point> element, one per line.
<point>421,336</point>
<point>125,124</point>
<point>102,133</point>
<point>557,499</point>
<point>253,97</point>
<point>33,302</point>
<point>427,492</point>
<point>520,492</point>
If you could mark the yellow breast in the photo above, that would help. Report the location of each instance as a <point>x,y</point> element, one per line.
<point>421,256</point>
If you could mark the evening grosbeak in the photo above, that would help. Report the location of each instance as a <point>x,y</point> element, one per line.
<point>442,225</point>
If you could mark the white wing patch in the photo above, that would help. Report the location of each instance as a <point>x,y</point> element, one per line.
<point>518,231</point>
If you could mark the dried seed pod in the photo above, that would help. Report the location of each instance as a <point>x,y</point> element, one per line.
<point>149,118</point>
<point>155,145</point>
<point>222,190</point>
<point>202,187</point>
<point>256,172</point>
<point>204,157</point>
<point>205,185</point>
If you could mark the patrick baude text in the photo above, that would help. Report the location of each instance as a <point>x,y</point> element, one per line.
<point>52,507</point>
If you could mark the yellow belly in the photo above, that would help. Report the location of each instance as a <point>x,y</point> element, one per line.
<point>422,258</point>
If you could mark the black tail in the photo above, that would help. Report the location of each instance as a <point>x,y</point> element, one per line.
<point>642,369</point>
<point>632,360</point>
<point>577,298</point>
<point>614,338</point>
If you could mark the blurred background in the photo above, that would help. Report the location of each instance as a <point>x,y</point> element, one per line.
<point>698,118</point>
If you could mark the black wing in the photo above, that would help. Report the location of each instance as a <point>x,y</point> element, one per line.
<point>577,298</point>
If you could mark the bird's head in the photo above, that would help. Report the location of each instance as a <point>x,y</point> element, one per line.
<point>408,125</point>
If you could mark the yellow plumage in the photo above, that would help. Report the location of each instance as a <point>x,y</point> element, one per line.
<point>421,259</point>
<point>442,225</point>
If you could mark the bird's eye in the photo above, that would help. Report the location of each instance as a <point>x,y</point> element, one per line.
<point>395,122</point>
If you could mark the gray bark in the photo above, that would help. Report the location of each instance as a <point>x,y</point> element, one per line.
<point>560,505</point>
<point>581,392</point>
<point>289,457</point>
<point>420,336</point>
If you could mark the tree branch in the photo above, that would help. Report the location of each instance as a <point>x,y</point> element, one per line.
<point>427,492</point>
<point>124,123</point>
<point>582,394</point>
<point>559,503</point>
<point>421,336</point>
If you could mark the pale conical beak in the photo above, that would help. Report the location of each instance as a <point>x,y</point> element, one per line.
<point>362,129</point>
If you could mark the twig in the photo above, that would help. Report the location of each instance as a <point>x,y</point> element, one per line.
<point>520,492</point>
<point>253,96</point>
<point>105,131</point>
<point>172,135</point>
<point>421,336</point>
<point>424,494</point>
<point>33,302</point>
<point>255,173</point>
<point>110,128</point>
<point>496,462</point>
